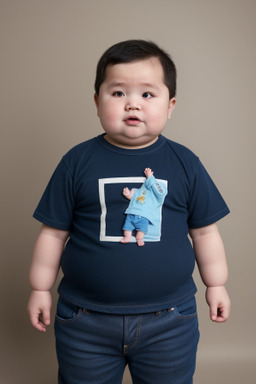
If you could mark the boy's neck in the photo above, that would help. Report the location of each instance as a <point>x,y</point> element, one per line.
<point>113,142</point>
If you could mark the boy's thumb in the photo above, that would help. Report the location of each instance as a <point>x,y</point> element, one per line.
<point>213,313</point>
<point>46,317</point>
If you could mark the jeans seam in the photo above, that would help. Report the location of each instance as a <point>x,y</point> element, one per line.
<point>137,335</point>
<point>185,317</point>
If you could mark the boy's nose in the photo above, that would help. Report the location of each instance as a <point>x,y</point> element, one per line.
<point>133,106</point>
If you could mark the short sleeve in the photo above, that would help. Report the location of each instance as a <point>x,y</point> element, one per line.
<point>55,208</point>
<point>206,204</point>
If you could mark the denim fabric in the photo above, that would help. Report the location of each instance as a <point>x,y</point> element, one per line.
<point>136,222</point>
<point>94,348</point>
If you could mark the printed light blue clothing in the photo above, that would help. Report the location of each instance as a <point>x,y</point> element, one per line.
<point>147,202</point>
<point>148,199</point>
<point>138,223</point>
<point>84,197</point>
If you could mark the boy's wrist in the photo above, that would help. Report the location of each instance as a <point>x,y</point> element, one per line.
<point>40,291</point>
<point>215,286</point>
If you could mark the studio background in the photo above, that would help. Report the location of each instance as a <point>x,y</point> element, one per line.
<point>48,55</point>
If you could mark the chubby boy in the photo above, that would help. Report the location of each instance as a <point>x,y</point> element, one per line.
<point>119,304</point>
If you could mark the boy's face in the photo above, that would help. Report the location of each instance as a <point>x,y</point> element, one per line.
<point>133,103</point>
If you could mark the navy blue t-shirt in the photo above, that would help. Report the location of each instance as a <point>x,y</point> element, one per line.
<point>85,197</point>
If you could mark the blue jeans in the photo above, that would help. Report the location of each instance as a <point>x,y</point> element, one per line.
<point>94,348</point>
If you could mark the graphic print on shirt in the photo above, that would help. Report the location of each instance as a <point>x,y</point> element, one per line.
<point>146,201</point>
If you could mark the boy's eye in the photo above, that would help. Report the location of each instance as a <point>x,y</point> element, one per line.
<point>147,95</point>
<point>118,94</point>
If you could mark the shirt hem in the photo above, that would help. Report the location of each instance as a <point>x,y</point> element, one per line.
<point>129,309</point>
<point>50,223</point>
<point>210,220</point>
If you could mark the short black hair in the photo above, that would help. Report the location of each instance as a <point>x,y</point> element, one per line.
<point>134,50</point>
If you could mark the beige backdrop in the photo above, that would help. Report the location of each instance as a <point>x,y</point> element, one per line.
<point>49,50</point>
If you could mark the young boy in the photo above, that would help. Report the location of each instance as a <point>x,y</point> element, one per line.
<point>119,303</point>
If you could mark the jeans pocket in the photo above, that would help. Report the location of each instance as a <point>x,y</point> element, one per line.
<point>187,310</point>
<point>67,311</point>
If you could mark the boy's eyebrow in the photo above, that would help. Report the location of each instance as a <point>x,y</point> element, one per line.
<point>122,84</point>
<point>116,84</point>
<point>150,85</point>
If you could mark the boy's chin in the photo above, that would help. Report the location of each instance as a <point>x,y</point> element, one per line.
<point>131,142</point>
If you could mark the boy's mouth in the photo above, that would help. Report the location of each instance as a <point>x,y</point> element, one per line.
<point>132,120</point>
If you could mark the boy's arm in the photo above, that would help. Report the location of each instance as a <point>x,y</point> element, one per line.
<point>211,260</point>
<point>43,273</point>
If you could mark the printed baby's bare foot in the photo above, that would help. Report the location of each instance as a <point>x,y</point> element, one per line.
<point>140,243</point>
<point>125,240</point>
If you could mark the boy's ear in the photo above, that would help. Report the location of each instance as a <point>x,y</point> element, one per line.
<point>96,100</point>
<point>172,103</point>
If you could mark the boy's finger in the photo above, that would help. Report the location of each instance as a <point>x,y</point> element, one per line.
<point>35,321</point>
<point>46,317</point>
<point>221,314</point>
<point>213,312</point>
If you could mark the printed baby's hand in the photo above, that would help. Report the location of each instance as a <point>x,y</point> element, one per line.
<point>148,172</point>
<point>128,193</point>
<point>39,307</point>
<point>219,303</point>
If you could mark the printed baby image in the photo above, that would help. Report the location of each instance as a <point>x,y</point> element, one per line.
<point>144,208</point>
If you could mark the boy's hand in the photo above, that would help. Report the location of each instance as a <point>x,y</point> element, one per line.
<point>148,172</point>
<point>39,307</point>
<point>219,303</point>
